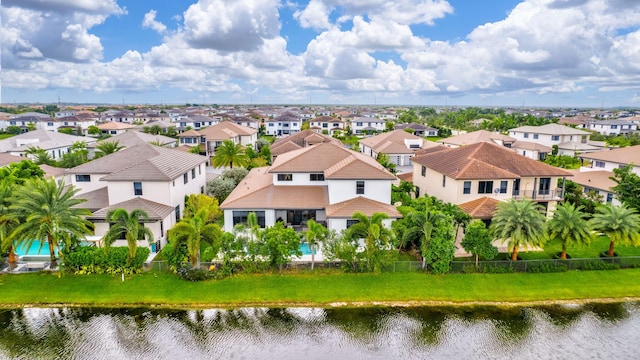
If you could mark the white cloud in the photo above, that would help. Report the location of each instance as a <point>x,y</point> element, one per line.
<point>150,22</point>
<point>315,16</point>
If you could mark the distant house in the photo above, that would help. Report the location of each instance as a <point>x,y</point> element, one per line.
<point>418,129</point>
<point>54,143</point>
<point>285,124</point>
<point>196,122</point>
<point>325,182</point>
<point>399,145</point>
<point>608,160</point>
<point>598,181</point>
<point>211,137</point>
<point>612,127</point>
<point>132,138</point>
<point>531,150</point>
<point>367,125</point>
<point>68,122</point>
<point>467,173</point>
<point>115,128</point>
<point>299,140</point>
<point>477,137</point>
<point>326,125</point>
<point>550,134</point>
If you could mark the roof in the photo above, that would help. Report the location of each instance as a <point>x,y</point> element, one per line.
<point>625,155</point>
<point>476,137</point>
<point>131,138</point>
<point>408,177</point>
<point>112,125</point>
<point>156,211</point>
<point>550,129</point>
<point>335,161</point>
<point>394,142</point>
<point>299,140</point>
<point>51,171</point>
<point>226,130</point>
<point>528,145</point>
<point>43,139</point>
<point>600,179</point>
<point>6,159</point>
<point>486,161</point>
<point>96,199</point>
<point>481,208</point>
<point>345,209</point>
<point>256,190</point>
<point>141,162</point>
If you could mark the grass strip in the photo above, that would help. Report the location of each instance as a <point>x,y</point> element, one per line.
<point>167,290</point>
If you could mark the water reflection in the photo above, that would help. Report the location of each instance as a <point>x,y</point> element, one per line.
<point>590,331</point>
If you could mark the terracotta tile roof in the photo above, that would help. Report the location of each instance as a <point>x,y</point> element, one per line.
<point>256,190</point>
<point>476,137</point>
<point>481,208</point>
<point>361,204</point>
<point>142,162</point>
<point>226,130</point>
<point>300,139</point>
<point>408,177</point>
<point>486,161</point>
<point>594,179</point>
<point>50,171</point>
<point>625,155</point>
<point>131,138</point>
<point>528,145</point>
<point>111,125</point>
<point>189,133</point>
<point>156,211</point>
<point>393,142</point>
<point>334,160</point>
<point>6,159</point>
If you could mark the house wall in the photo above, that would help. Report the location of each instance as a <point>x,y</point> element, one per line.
<point>597,165</point>
<point>546,139</point>
<point>342,190</point>
<point>298,179</point>
<point>340,224</point>
<point>101,229</point>
<point>86,186</point>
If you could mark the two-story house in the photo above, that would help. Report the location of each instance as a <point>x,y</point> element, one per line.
<point>299,140</point>
<point>460,175</point>
<point>363,125</point>
<point>211,137</point>
<point>550,134</point>
<point>613,126</point>
<point>399,145</point>
<point>148,177</point>
<point>325,182</point>
<point>417,129</point>
<point>54,143</point>
<point>196,122</point>
<point>285,124</point>
<point>326,125</point>
<point>608,160</point>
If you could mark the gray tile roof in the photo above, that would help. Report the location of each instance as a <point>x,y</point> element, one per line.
<point>155,210</point>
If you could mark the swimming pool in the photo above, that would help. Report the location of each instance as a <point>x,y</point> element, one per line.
<point>306,250</point>
<point>34,249</point>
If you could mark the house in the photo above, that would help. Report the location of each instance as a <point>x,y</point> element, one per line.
<point>326,125</point>
<point>613,127</point>
<point>285,124</point>
<point>54,143</point>
<point>399,145</point>
<point>531,150</point>
<point>459,175</point>
<point>148,177</point>
<point>196,122</point>
<point>598,181</point>
<point>211,137</point>
<point>477,137</point>
<point>24,121</point>
<point>325,182</point>
<point>608,160</point>
<point>299,140</point>
<point>367,125</point>
<point>418,129</point>
<point>246,121</point>
<point>550,134</point>
<point>67,122</point>
<point>127,117</point>
<point>132,138</point>
<point>115,128</point>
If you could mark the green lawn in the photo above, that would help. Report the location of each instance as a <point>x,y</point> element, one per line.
<point>5,136</point>
<point>320,289</point>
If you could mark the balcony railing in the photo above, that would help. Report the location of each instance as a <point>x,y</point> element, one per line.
<point>538,194</point>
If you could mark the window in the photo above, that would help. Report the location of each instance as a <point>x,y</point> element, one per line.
<point>600,164</point>
<point>526,135</point>
<point>424,170</point>
<point>137,188</point>
<point>285,177</point>
<point>503,187</point>
<point>193,173</point>
<point>485,187</point>
<point>49,124</point>
<point>417,190</point>
<point>240,217</point>
<point>351,222</point>
<point>545,185</point>
<point>614,127</point>
<point>83,178</point>
<point>555,137</point>
<point>316,177</point>
<point>185,178</point>
<point>199,169</point>
<point>466,189</point>
<point>360,187</point>
<point>444,180</point>
<point>609,197</point>
<point>535,136</point>
<point>358,124</point>
<point>177,213</point>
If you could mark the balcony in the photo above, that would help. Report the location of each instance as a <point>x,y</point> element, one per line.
<point>539,195</point>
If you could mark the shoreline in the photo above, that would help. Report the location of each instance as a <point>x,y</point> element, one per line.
<point>333,305</point>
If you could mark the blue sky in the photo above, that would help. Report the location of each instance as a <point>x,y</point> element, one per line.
<point>569,53</point>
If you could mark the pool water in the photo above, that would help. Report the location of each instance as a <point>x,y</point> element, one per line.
<point>33,250</point>
<point>306,249</point>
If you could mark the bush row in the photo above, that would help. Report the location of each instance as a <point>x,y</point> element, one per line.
<point>94,260</point>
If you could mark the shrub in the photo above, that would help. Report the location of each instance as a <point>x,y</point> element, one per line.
<point>600,265</point>
<point>489,269</point>
<point>94,260</point>
<point>547,268</point>
<point>195,274</point>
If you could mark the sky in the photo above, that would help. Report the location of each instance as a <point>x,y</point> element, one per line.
<point>535,53</point>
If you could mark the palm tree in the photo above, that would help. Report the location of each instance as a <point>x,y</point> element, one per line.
<point>130,225</point>
<point>376,236</point>
<point>50,214</point>
<point>39,155</point>
<point>107,147</point>
<point>316,232</point>
<point>230,153</point>
<point>422,229</point>
<point>620,223</point>
<point>570,226</point>
<point>8,220</point>
<point>521,223</point>
<point>193,231</point>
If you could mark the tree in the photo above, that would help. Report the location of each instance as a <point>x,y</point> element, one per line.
<point>18,173</point>
<point>316,233</point>
<point>377,238</point>
<point>107,147</point>
<point>196,149</point>
<point>94,130</point>
<point>15,130</point>
<point>570,226</point>
<point>620,223</point>
<point>229,154</point>
<point>627,186</point>
<point>432,230</point>
<point>8,219</point>
<point>384,160</point>
<point>50,214</point>
<point>220,188</point>
<point>520,223</point>
<point>197,202</point>
<point>280,244</point>
<point>129,225</point>
<point>477,241</point>
<point>194,231</point>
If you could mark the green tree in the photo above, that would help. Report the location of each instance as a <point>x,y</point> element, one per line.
<point>129,225</point>
<point>478,241</point>
<point>18,173</point>
<point>229,154</point>
<point>220,188</point>
<point>280,244</point>
<point>384,160</point>
<point>8,219</point>
<point>107,147</point>
<point>377,238</point>
<point>196,149</point>
<point>570,226</point>
<point>50,214</point>
<point>194,231</point>
<point>15,130</point>
<point>520,223</point>
<point>197,202</point>
<point>316,233</point>
<point>620,223</point>
<point>94,130</point>
<point>627,186</point>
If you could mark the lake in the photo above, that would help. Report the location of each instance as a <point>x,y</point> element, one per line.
<point>595,331</point>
